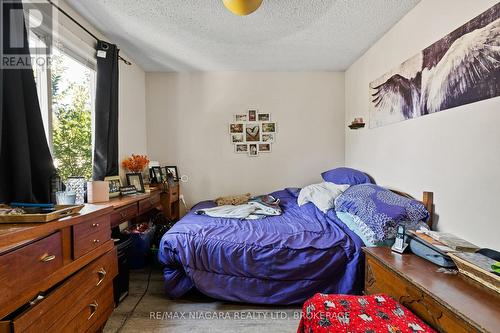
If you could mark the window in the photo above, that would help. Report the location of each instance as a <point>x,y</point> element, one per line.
<point>66,95</point>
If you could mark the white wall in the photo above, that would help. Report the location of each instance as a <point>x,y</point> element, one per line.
<point>187,123</point>
<point>454,153</point>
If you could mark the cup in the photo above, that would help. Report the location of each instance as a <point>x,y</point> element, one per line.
<point>65,198</point>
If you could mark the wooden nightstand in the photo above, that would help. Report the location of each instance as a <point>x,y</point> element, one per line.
<point>170,202</point>
<point>448,303</point>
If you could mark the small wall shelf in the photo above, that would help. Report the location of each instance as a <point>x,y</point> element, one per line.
<point>357,126</point>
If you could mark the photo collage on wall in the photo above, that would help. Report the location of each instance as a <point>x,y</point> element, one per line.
<point>252,133</point>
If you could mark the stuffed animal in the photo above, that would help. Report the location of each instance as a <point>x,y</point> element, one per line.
<point>233,199</point>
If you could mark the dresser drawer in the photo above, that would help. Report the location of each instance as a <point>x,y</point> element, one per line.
<point>123,214</point>
<point>83,244</point>
<point>94,309</point>
<point>90,226</point>
<point>379,279</point>
<point>91,279</point>
<point>28,265</point>
<point>146,205</point>
<point>173,193</point>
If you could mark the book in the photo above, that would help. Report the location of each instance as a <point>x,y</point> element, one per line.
<point>452,241</point>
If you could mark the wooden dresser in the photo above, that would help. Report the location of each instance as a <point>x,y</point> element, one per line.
<point>448,303</point>
<point>57,276</point>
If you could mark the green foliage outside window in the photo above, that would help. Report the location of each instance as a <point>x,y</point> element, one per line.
<point>71,124</point>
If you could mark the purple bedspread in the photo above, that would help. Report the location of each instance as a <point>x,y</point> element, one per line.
<point>276,260</point>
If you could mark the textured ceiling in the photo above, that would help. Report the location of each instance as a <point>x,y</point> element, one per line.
<point>282,35</point>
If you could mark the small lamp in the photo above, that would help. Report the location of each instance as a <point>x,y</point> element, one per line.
<point>242,7</point>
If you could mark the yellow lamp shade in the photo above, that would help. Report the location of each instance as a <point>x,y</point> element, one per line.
<point>242,7</point>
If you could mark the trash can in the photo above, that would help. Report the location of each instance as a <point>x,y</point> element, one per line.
<point>141,236</point>
<point>123,243</point>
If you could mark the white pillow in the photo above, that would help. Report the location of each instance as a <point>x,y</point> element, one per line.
<point>322,195</point>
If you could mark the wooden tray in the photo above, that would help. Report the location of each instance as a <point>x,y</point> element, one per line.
<point>479,270</point>
<point>60,212</point>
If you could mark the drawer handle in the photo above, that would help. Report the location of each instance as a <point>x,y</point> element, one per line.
<point>102,275</point>
<point>93,309</point>
<point>174,193</point>
<point>95,225</point>
<point>47,258</point>
<point>96,241</point>
<point>123,214</point>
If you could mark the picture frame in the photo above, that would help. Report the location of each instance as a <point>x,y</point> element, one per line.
<point>155,174</point>
<point>135,179</point>
<point>269,127</point>
<point>267,137</point>
<point>240,117</point>
<point>241,148</point>
<point>115,182</point>
<point>235,128</point>
<point>264,148</point>
<point>252,115</point>
<point>253,150</point>
<point>173,171</point>
<point>264,117</point>
<point>252,132</point>
<point>163,173</point>
<point>237,138</point>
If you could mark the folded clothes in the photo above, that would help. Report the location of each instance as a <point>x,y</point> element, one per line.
<point>256,208</point>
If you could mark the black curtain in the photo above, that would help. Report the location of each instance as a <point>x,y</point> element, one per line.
<point>106,112</point>
<point>26,165</point>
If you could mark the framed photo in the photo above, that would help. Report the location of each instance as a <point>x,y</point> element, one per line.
<point>264,117</point>
<point>173,171</point>
<point>264,147</point>
<point>115,183</point>
<point>240,117</point>
<point>235,128</point>
<point>252,132</point>
<point>241,148</point>
<point>268,127</point>
<point>252,115</point>
<point>237,138</point>
<point>135,179</point>
<point>155,174</point>
<point>253,150</point>
<point>163,173</point>
<point>268,137</point>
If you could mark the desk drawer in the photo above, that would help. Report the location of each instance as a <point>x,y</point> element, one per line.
<point>173,193</point>
<point>30,264</point>
<point>380,279</point>
<point>85,243</point>
<point>146,205</point>
<point>94,310</point>
<point>93,278</point>
<point>91,226</point>
<point>124,214</point>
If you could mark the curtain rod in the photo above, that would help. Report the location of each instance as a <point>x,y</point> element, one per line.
<point>84,29</point>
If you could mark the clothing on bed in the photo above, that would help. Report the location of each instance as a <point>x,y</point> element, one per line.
<point>276,260</point>
<point>256,208</point>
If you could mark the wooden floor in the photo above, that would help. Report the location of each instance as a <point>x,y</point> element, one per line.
<point>194,313</point>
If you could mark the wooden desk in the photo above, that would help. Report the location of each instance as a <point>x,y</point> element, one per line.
<point>448,303</point>
<point>130,207</point>
<point>69,264</point>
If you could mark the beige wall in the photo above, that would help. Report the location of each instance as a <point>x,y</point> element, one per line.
<point>187,123</point>
<point>454,153</point>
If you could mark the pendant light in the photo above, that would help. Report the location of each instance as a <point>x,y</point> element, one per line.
<point>242,7</point>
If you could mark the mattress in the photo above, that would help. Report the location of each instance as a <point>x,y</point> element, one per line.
<point>275,260</point>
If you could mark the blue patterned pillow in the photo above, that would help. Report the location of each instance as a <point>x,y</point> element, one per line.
<point>378,210</point>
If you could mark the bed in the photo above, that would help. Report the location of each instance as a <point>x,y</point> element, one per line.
<point>276,260</point>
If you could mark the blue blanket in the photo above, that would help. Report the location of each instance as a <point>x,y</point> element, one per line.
<point>276,260</point>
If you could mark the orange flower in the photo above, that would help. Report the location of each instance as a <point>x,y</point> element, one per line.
<point>135,163</point>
